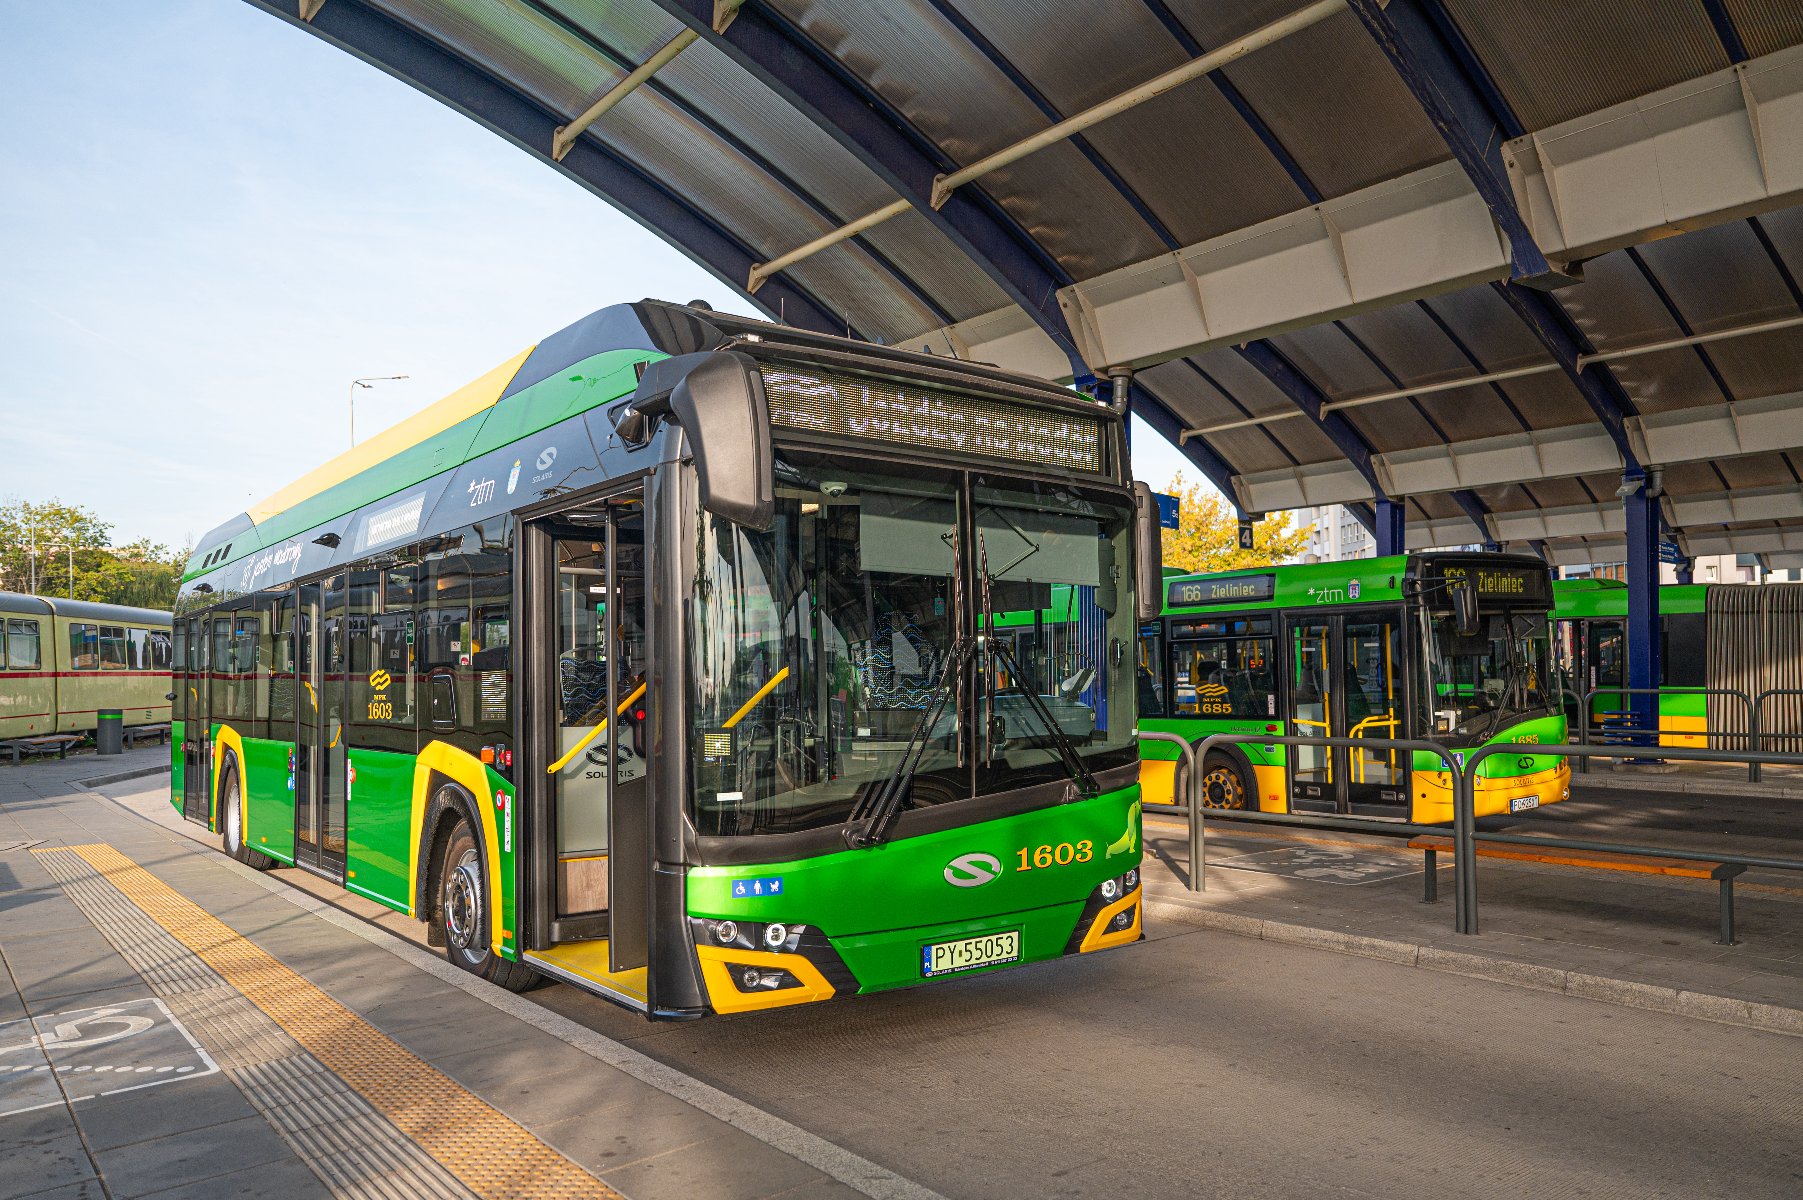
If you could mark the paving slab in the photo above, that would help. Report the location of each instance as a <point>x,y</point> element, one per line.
<point>237,1132</point>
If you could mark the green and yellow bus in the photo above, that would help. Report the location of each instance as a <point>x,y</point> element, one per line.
<point>1450,647</point>
<point>662,660</point>
<point>1725,637</point>
<point>62,661</point>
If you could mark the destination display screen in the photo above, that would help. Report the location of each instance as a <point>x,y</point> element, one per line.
<point>1501,582</point>
<point>855,406</point>
<point>1184,593</point>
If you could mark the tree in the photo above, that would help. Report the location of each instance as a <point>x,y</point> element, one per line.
<point>57,549</point>
<point>1207,536</point>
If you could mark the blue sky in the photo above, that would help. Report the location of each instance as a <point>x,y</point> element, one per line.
<point>212,223</point>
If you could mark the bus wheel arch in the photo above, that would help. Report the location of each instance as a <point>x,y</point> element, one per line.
<point>459,903</point>
<point>447,803</point>
<point>231,805</point>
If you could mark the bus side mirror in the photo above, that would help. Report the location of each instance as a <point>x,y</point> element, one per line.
<point>1464,609</point>
<point>718,399</point>
<point>1148,553</point>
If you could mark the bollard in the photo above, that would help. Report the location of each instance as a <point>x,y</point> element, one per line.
<point>109,731</point>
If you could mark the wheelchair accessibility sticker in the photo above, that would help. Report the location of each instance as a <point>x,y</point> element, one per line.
<point>90,1052</point>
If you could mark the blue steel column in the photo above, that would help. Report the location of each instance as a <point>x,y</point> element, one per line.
<point>1391,516</point>
<point>1642,510</point>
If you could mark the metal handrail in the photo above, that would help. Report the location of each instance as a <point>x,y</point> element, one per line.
<point>1466,781</point>
<point>1758,709</point>
<point>1463,817</point>
<point>1675,689</point>
<point>1198,848</point>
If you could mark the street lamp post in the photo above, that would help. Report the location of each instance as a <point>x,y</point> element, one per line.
<point>366,381</point>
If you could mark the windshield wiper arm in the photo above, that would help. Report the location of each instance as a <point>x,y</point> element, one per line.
<point>1074,765</point>
<point>876,810</point>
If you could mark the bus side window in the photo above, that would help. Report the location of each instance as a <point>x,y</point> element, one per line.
<point>1608,650</point>
<point>1683,653</point>
<point>23,650</point>
<point>84,647</point>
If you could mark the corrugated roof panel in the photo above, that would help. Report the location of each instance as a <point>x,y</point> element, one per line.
<point>934,77</point>
<point>1615,308</point>
<point>1484,324</point>
<point>1756,470</point>
<point>915,245</point>
<point>1557,61</point>
<point>716,179</point>
<point>921,65</point>
<point>517,44</point>
<point>1767,25</point>
<point>1198,403</point>
<point>1121,46</point>
<point>706,79</point>
<point>1330,68</point>
<point>1259,396</point>
<point>1196,165</point>
<point>1069,209</point>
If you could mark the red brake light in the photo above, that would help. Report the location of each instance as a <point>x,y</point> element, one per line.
<point>1272,728</point>
<point>638,714</point>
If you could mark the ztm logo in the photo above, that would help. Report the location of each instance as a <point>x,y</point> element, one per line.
<point>380,679</point>
<point>972,870</point>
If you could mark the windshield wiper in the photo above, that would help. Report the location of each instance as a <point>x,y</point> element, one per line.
<point>876,810</point>
<point>1073,763</point>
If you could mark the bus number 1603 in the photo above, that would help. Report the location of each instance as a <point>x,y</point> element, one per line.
<point>1061,855</point>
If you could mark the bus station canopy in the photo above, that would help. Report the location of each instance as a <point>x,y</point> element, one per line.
<point>1482,259</point>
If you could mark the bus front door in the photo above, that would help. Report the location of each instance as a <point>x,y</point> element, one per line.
<point>597,864</point>
<point>197,730</point>
<point>1346,681</point>
<point>319,750</point>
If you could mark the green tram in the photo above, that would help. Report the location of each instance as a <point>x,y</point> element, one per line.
<point>662,660</point>
<point>1450,647</point>
<point>1739,636</point>
<point>62,661</point>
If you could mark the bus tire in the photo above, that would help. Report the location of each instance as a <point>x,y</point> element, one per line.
<point>1224,784</point>
<point>231,821</point>
<point>463,913</point>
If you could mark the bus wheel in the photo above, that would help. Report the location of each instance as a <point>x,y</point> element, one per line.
<point>231,823</point>
<point>1222,784</point>
<point>463,914</point>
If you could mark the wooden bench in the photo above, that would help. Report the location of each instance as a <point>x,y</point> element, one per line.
<point>1599,860</point>
<point>134,732</point>
<point>59,742</point>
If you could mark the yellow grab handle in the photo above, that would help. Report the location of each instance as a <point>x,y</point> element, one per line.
<point>757,698</point>
<point>594,733</point>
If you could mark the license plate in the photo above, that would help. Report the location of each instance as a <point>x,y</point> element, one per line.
<point>1523,803</point>
<point>965,954</point>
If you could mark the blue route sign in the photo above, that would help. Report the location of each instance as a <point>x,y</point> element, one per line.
<point>1167,510</point>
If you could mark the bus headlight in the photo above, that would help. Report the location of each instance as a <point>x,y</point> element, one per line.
<point>1110,888</point>
<point>726,932</point>
<point>775,935</point>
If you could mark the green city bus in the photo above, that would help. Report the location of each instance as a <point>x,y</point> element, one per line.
<point>1449,647</point>
<point>664,660</point>
<point>1726,637</point>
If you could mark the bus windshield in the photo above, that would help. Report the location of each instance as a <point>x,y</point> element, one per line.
<point>818,647</point>
<point>1504,669</point>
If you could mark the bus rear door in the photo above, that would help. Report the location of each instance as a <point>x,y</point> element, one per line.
<point>1345,680</point>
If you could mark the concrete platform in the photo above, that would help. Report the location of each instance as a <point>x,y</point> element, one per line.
<point>1198,1063</point>
<point>198,1033</point>
<point>1642,940</point>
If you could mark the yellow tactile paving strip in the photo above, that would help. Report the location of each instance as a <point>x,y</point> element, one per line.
<point>490,1153</point>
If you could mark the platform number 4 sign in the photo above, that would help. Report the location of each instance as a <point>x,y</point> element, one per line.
<point>1245,533</point>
